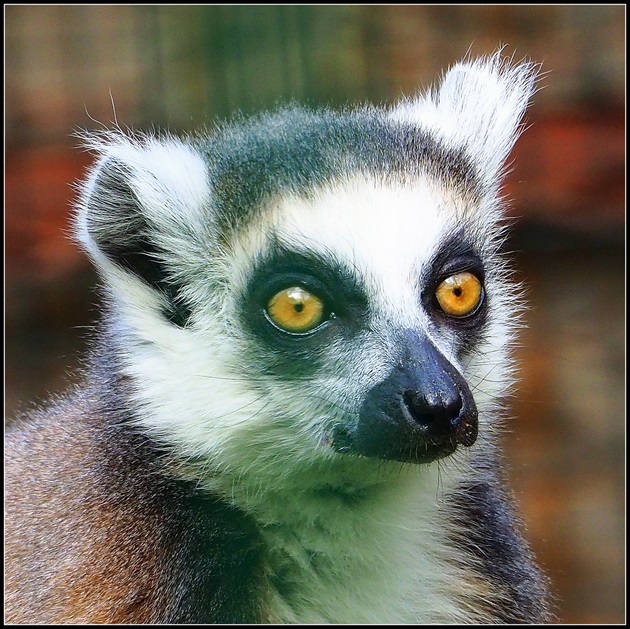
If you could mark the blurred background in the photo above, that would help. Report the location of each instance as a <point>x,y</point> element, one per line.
<point>182,67</point>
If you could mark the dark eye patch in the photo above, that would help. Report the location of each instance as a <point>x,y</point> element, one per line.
<point>344,302</point>
<point>456,255</point>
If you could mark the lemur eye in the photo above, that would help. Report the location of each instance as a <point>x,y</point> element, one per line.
<point>459,295</point>
<point>295,310</point>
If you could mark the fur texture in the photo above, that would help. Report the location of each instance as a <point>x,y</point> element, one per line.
<point>217,469</point>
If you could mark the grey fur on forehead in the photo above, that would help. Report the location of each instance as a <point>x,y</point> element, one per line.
<point>298,150</point>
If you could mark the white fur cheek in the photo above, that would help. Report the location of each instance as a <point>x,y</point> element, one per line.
<point>189,397</point>
<point>194,396</point>
<point>490,370</point>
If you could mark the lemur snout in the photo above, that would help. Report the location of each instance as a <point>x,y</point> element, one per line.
<point>421,412</point>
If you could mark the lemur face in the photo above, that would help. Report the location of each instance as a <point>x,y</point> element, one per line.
<point>315,287</point>
<point>365,298</point>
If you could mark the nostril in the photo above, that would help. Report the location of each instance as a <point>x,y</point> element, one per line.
<point>437,414</point>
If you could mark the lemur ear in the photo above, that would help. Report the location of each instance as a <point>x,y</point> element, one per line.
<point>141,199</point>
<point>141,210</point>
<point>477,107</point>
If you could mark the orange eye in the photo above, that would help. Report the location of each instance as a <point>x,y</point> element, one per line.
<point>460,294</point>
<point>295,310</point>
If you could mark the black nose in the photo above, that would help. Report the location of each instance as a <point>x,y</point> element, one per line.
<point>437,413</point>
<point>423,410</point>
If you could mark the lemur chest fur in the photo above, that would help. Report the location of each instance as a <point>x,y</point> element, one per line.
<point>361,554</point>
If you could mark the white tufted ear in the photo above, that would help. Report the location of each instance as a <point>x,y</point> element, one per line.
<point>141,215</point>
<point>478,107</point>
<point>140,187</point>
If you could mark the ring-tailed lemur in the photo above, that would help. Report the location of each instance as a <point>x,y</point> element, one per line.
<point>291,408</point>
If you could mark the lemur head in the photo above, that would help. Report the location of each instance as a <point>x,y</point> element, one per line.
<point>313,288</point>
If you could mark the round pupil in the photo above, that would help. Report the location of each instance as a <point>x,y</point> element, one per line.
<point>295,310</point>
<point>459,294</point>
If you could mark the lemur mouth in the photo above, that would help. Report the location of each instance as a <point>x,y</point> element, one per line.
<point>404,442</point>
<point>426,453</point>
<point>430,449</point>
<point>422,451</point>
